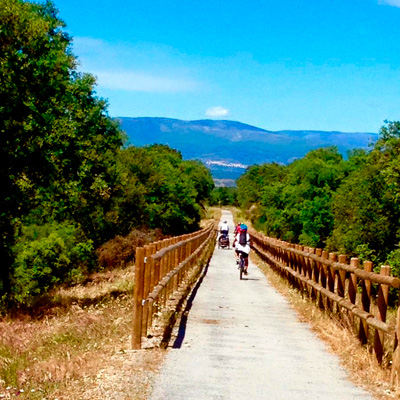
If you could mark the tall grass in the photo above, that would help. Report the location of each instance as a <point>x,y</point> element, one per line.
<point>54,354</point>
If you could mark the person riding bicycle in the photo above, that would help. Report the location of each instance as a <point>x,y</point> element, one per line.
<point>224,228</point>
<point>237,228</point>
<point>242,245</point>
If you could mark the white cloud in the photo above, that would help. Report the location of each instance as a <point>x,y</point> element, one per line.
<point>140,67</point>
<point>394,3</point>
<point>217,112</point>
<point>135,81</point>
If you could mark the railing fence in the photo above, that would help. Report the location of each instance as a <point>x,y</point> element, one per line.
<point>339,286</point>
<point>161,269</point>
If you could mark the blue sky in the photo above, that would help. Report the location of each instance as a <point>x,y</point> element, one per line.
<point>276,64</point>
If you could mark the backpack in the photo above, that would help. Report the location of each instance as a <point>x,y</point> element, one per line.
<point>243,238</point>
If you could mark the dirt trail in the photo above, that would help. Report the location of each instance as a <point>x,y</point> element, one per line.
<point>242,340</point>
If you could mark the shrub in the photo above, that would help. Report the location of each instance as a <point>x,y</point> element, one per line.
<point>48,255</point>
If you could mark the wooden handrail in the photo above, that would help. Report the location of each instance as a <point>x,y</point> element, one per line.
<point>366,316</point>
<point>330,280</point>
<point>157,290</point>
<point>161,253</point>
<point>161,269</point>
<point>376,278</point>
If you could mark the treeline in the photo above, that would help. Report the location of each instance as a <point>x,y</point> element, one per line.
<point>323,200</point>
<point>223,196</point>
<point>68,184</point>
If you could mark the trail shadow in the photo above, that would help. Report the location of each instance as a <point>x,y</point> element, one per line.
<point>182,326</point>
<point>251,279</point>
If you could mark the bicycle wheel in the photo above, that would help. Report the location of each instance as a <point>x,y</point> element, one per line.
<point>241,267</point>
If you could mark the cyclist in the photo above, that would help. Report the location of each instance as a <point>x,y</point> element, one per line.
<point>224,229</point>
<point>242,244</point>
<point>237,230</point>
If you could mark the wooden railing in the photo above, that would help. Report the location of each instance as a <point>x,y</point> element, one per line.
<point>339,287</point>
<point>161,269</point>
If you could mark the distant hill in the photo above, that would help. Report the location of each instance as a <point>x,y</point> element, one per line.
<point>228,147</point>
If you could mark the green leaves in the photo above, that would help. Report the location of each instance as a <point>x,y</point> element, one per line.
<point>324,201</point>
<point>295,201</point>
<point>62,170</point>
<point>366,207</point>
<point>46,255</point>
<point>160,190</point>
<point>57,144</point>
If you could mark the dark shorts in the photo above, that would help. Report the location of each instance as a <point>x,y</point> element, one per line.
<point>244,255</point>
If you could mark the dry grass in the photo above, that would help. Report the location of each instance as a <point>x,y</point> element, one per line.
<point>78,348</point>
<point>211,214</point>
<point>357,359</point>
<point>119,252</point>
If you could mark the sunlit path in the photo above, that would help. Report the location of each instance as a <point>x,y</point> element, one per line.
<point>243,341</point>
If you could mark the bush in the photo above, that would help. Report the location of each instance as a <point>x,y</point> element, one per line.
<point>120,251</point>
<point>393,260</point>
<point>48,255</point>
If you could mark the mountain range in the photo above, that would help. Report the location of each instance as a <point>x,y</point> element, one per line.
<point>229,147</point>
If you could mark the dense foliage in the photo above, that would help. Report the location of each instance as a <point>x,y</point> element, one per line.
<point>322,200</point>
<point>160,190</point>
<point>223,196</point>
<point>67,184</point>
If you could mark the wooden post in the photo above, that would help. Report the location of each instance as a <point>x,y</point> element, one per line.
<point>307,271</point>
<point>148,265</point>
<point>167,289</point>
<point>289,263</point>
<point>303,272</point>
<point>150,312</point>
<point>342,276</point>
<point>180,259</point>
<point>299,269</point>
<point>331,280</point>
<point>176,263</point>
<point>312,272</point>
<point>300,262</point>
<point>341,285</point>
<point>383,295</point>
<point>317,275</point>
<point>354,262</point>
<point>137,299</point>
<point>323,275</point>
<point>395,374</point>
<point>366,302</point>
<point>157,271</point>
<point>148,252</point>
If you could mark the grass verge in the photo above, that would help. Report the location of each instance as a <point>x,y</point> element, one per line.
<point>78,347</point>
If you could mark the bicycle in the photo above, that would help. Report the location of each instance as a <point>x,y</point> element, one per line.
<point>241,265</point>
<point>223,241</point>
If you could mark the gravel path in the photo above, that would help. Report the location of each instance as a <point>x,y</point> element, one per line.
<point>243,341</point>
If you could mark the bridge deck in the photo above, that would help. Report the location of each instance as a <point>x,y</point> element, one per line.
<point>243,341</point>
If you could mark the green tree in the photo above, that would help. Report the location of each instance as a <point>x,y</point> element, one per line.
<point>255,179</point>
<point>294,201</point>
<point>366,206</point>
<point>223,196</point>
<point>57,143</point>
<point>160,190</point>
